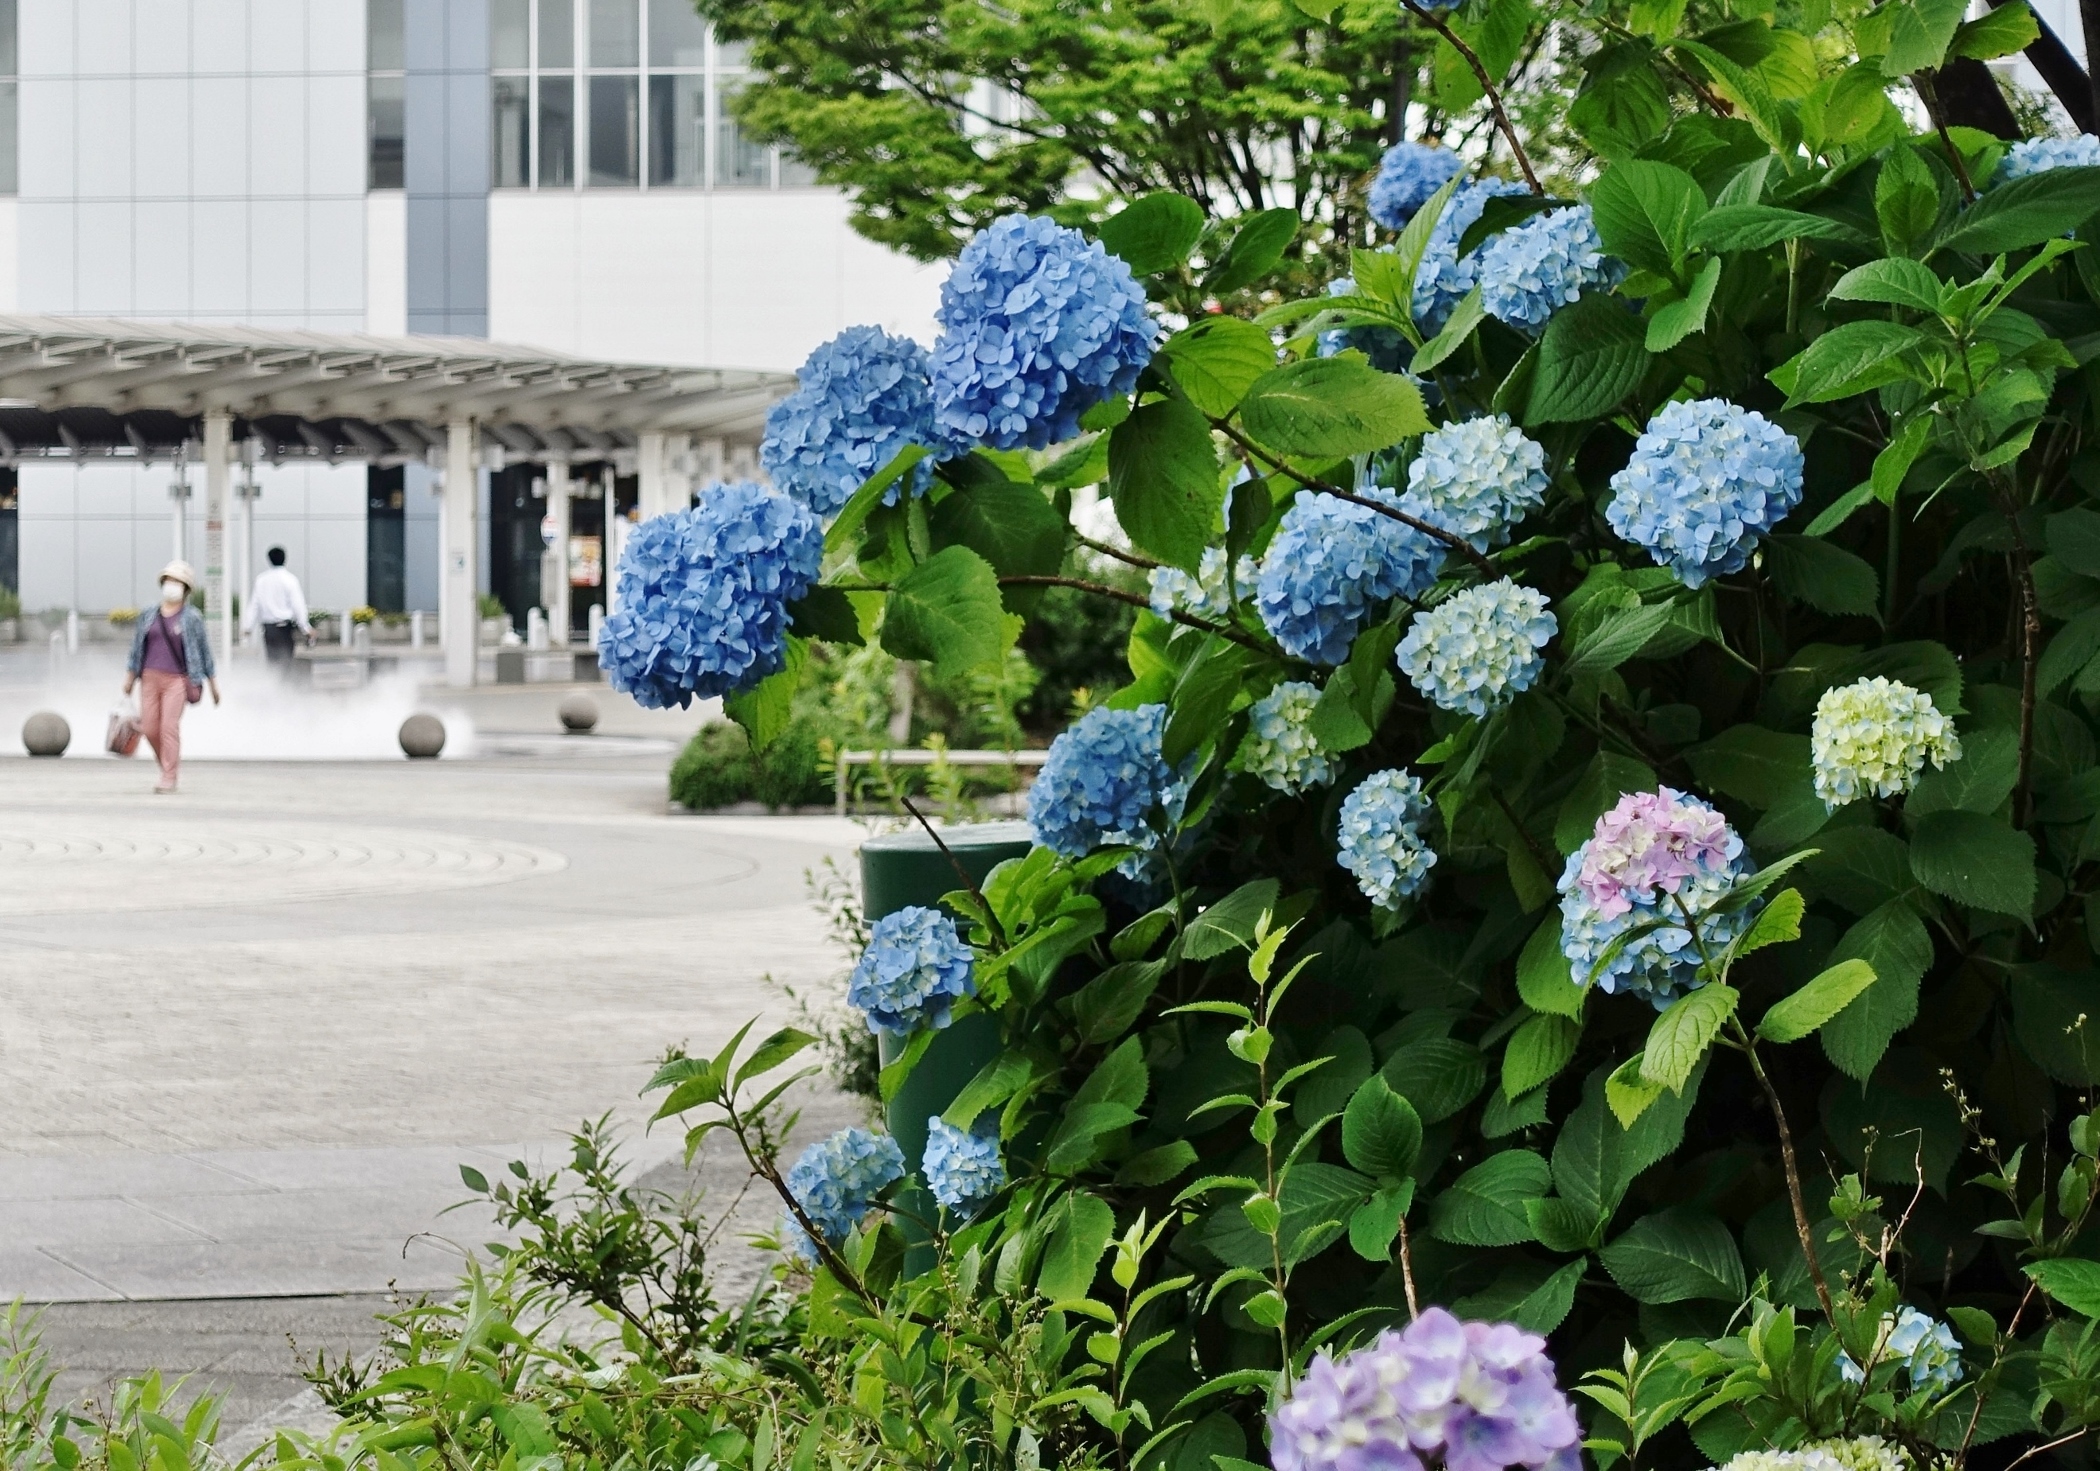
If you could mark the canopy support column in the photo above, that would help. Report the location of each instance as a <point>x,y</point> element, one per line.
<point>559,610</point>
<point>458,615</point>
<point>218,475</point>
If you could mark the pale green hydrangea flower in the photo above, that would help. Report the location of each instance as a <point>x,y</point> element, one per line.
<point>1807,1458</point>
<point>1279,746</point>
<point>1866,1453</point>
<point>1874,736</point>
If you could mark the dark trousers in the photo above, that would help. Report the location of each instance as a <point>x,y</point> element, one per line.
<point>277,642</point>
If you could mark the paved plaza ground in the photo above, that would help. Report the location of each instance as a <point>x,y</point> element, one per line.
<point>249,1033</point>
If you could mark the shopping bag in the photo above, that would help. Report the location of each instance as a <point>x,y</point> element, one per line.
<point>124,732</point>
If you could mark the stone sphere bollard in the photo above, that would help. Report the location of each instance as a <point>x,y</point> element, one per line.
<point>422,736</point>
<point>46,734</point>
<point>579,713</point>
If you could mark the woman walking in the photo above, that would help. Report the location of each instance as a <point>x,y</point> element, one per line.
<point>171,661</point>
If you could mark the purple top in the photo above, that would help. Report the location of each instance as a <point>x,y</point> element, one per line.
<point>164,645</point>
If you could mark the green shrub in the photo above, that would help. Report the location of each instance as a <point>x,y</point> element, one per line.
<point>717,768</point>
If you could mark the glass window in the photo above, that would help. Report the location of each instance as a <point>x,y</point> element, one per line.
<point>677,131</point>
<point>7,136</point>
<point>385,140</point>
<point>557,130</point>
<point>794,173</point>
<point>677,35</point>
<point>616,35</point>
<point>510,34</point>
<point>615,130</point>
<point>384,51</point>
<point>732,53</point>
<point>8,65</point>
<point>739,163</point>
<point>557,34</point>
<point>510,132</point>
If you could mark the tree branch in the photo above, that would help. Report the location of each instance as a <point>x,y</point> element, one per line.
<point>1103,590</point>
<point>1146,563</point>
<point>1802,1229</point>
<point>1487,85</point>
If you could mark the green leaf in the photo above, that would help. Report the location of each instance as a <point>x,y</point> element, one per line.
<point>947,610</point>
<point>1676,1255</point>
<point>1381,1132</point>
<point>1467,315</point>
<point>1980,781</point>
<point>1629,1093</point>
<point>1485,1206</point>
<point>1217,360</point>
<point>1163,478</point>
<point>1919,32</point>
<point>1617,638</point>
<point>2074,540</point>
<point>1438,1075</point>
<point>1545,980</point>
<point>1609,777</point>
<point>2025,212</point>
<point>1906,200</point>
<point>1677,320</point>
<point>2075,1284</point>
<point>1896,281</point>
<point>1823,575</point>
<point>1975,859</point>
<point>2070,650</point>
<point>1229,923</point>
<point>772,1052</point>
<point>1546,1306</point>
<point>854,514</point>
<point>1374,1224</point>
<point>996,1082</point>
<point>1108,1005</point>
<point>524,1425</point>
<point>1734,227</point>
<point>1083,1226</point>
<point>1536,1053</point>
<point>1817,1002</point>
<point>1331,407</point>
<point>766,709</point>
<point>1895,943</point>
<point>827,615</point>
<point>2006,31</point>
<point>1157,1166</point>
<point>1645,211</point>
<point>2054,1014</point>
<point>1592,356</point>
<point>1845,361</point>
<point>1681,1035</point>
<point>1155,233</point>
<point>1203,695</point>
<point>1256,249</point>
<point>1751,764</point>
<point>1012,526</point>
<point>1776,924</point>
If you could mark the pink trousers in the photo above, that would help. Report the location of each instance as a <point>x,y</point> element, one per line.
<point>162,697</point>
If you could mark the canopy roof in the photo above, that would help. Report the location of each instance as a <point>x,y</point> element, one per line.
<point>81,385</point>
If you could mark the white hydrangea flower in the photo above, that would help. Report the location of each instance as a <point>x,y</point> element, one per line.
<point>1475,650</point>
<point>1865,1453</point>
<point>1874,736</point>
<point>1279,746</point>
<point>1478,478</point>
<point>1807,1458</point>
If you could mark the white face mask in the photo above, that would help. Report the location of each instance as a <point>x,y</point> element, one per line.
<point>172,591</point>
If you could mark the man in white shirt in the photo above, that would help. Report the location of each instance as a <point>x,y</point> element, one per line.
<point>279,606</point>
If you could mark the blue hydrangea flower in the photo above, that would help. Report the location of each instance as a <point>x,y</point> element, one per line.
<point>1706,481</point>
<point>1478,479</point>
<point>702,596</point>
<point>1279,746</point>
<point>1407,176</point>
<point>1038,324</point>
<point>865,396</point>
<point>915,969</point>
<point>1380,837</point>
<point>1654,860</point>
<point>1388,351</point>
<point>836,1180</point>
<point>1532,270</point>
<point>1330,565</point>
<point>1475,650</point>
<point>962,1166</point>
<point>1206,595</point>
<point>1103,781</point>
<point>2033,156</point>
<point>1924,1348</point>
<point>1444,276</point>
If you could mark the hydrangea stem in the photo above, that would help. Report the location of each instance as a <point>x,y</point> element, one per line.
<point>1487,85</point>
<point>1792,1166</point>
<point>1103,590</point>
<point>991,920</point>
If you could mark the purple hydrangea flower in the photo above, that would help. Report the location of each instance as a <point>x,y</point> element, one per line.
<point>1463,1396</point>
<point>1038,324</point>
<point>1408,175</point>
<point>915,969</point>
<point>702,596</point>
<point>1656,856</point>
<point>865,396</point>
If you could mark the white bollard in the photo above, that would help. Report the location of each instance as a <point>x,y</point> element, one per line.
<point>343,634</point>
<point>597,623</point>
<point>415,629</point>
<point>536,630</point>
<point>72,630</point>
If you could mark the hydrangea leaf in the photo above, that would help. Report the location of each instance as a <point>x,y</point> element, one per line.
<point>1163,478</point>
<point>947,610</point>
<point>1629,1093</point>
<point>1537,1051</point>
<point>1675,1255</point>
<point>1980,781</point>
<point>1846,361</point>
<point>826,614</point>
<point>1678,320</point>
<point>1216,360</point>
<point>2074,540</point>
<point>1155,233</point>
<point>1895,281</point>
<point>1796,1016</point>
<point>1012,526</point>
<point>2025,212</point>
<point>1381,1132</point>
<point>767,708</point>
<point>1256,249</point>
<point>1975,859</point>
<point>1737,227</point>
<point>1751,764</point>
<point>1919,31</point>
<point>1438,1075</point>
<point>1545,981</point>
<point>1681,1035</point>
<point>1485,1206</point>
<point>2056,1013</point>
<point>1374,1224</point>
<point>1645,212</point>
<point>1823,575</point>
<point>1080,1227</point>
<point>1331,407</point>
<point>2075,1284</point>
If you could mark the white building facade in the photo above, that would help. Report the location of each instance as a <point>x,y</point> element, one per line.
<point>558,173</point>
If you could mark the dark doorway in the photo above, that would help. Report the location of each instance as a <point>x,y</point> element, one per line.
<point>10,533</point>
<point>386,540</point>
<point>517,504</point>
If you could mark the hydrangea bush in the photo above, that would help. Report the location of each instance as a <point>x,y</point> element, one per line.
<point>1613,863</point>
